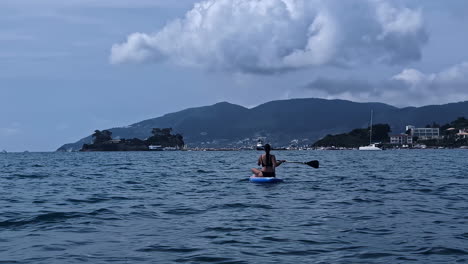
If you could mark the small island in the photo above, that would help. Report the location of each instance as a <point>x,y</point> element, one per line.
<point>161,139</point>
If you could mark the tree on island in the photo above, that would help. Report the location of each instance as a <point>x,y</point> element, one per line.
<point>380,133</point>
<point>101,136</point>
<point>164,138</point>
<point>356,138</point>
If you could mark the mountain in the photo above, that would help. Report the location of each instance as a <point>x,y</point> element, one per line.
<point>225,124</point>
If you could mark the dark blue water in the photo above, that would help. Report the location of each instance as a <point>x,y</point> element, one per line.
<point>198,207</point>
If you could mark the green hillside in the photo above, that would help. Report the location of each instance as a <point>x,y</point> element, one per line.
<point>280,122</point>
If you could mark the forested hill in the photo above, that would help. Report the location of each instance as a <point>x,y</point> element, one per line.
<point>225,124</point>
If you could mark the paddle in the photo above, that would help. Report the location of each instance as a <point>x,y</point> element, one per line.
<point>312,163</point>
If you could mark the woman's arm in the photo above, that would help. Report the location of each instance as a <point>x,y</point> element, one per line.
<point>259,162</point>
<point>277,163</point>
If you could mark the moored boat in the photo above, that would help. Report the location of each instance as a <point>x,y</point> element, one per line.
<point>371,146</point>
<point>260,144</point>
<point>155,148</point>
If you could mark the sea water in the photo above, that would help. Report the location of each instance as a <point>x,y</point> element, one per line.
<point>399,206</point>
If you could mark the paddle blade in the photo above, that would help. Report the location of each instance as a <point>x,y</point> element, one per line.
<point>313,164</point>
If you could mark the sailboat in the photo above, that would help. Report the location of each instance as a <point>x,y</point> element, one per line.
<point>370,146</point>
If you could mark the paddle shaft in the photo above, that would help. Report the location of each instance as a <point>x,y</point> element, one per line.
<point>296,162</point>
<point>312,163</point>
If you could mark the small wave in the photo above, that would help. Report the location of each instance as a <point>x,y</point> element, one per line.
<point>90,200</point>
<point>228,229</point>
<point>95,174</point>
<point>204,171</point>
<point>241,205</point>
<point>363,217</point>
<point>131,182</point>
<point>442,251</point>
<point>184,211</point>
<point>309,242</point>
<point>313,224</point>
<point>427,211</point>
<point>374,255</point>
<point>340,203</point>
<point>374,231</point>
<point>424,190</point>
<point>197,259</point>
<point>346,248</point>
<point>43,218</point>
<point>274,239</point>
<point>120,198</point>
<point>117,164</point>
<point>124,168</point>
<point>51,217</point>
<point>230,242</point>
<point>159,248</point>
<point>361,200</point>
<point>30,176</point>
<point>462,236</point>
<point>299,252</point>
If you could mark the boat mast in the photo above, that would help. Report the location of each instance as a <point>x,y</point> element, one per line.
<point>370,136</point>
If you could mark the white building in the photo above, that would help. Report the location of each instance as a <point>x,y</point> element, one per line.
<point>401,139</point>
<point>462,133</point>
<point>424,133</point>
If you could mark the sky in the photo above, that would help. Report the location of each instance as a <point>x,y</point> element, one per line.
<point>70,67</point>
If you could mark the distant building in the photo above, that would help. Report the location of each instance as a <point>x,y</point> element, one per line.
<point>424,133</point>
<point>462,133</point>
<point>401,139</point>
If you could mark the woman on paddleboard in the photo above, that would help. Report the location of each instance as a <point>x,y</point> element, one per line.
<point>268,163</point>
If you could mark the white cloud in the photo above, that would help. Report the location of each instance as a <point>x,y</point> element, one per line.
<point>269,36</point>
<point>452,81</point>
<point>448,85</point>
<point>409,87</point>
<point>401,21</point>
<point>412,76</point>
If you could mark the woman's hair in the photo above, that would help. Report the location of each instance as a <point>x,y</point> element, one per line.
<point>267,148</point>
<point>267,156</point>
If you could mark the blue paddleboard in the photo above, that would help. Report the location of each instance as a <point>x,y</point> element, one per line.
<point>265,179</point>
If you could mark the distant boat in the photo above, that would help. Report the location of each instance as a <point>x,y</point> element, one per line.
<point>155,148</point>
<point>371,146</point>
<point>260,145</point>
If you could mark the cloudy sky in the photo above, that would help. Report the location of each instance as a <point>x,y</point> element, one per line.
<point>69,67</point>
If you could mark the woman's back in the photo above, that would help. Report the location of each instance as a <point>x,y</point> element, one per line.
<point>268,162</point>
